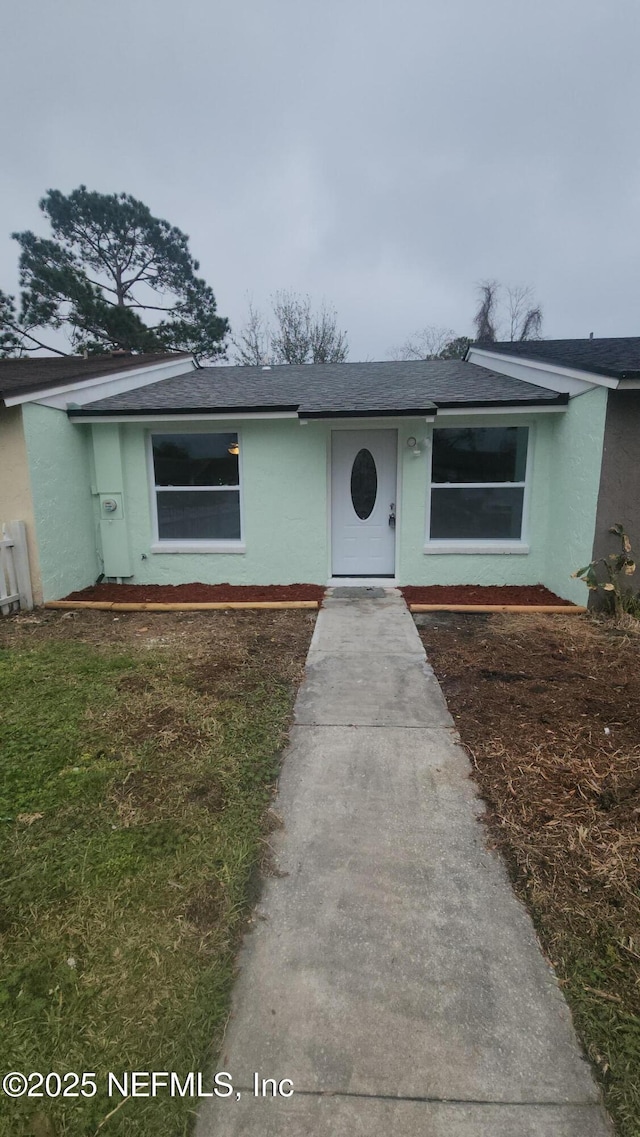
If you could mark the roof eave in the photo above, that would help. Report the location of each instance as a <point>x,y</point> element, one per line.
<point>507,404</point>
<point>587,372</point>
<point>372,412</point>
<point>171,412</point>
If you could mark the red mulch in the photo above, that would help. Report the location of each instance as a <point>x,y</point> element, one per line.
<point>481,594</point>
<point>196,593</point>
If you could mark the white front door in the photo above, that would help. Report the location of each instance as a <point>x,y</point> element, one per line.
<point>363,502</point>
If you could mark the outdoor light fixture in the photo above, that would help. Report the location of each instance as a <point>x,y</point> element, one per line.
<point>412,443</point>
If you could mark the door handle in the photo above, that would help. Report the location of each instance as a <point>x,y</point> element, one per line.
<point>392,515</point>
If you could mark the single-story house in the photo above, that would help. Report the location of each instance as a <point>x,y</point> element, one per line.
<point>507,467</point>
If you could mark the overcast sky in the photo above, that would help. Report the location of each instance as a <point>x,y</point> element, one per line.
<point>384,156</point>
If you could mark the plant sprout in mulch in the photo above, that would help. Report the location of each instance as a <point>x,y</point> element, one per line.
<point>609,575</point>
<point>547,707</point>
<point>136,770</point>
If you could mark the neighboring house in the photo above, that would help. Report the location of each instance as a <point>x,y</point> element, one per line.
<point>505,468</point>
<point>46,463</point>
<point>613,366</point>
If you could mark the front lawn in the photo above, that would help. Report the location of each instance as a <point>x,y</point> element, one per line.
<point>137,760</point>
<point>548,708</point>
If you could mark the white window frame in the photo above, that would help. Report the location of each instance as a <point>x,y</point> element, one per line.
<point>483,545</point>
<point>192,545</point>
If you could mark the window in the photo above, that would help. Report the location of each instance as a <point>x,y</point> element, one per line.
<point>478,483</point>
<point>364,484</point>
<point>197,486</point>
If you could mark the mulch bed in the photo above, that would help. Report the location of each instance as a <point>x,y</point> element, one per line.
<point>480,594</point>
<point>221,593</point>
<point>196,593</point>
<point>547,707</point>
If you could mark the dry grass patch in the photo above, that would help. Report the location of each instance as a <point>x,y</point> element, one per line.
<point>548,707</point>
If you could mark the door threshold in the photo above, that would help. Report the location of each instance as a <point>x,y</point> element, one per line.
<point>362,582</point>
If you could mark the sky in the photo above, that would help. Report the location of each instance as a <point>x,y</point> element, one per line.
<point>382,156</point>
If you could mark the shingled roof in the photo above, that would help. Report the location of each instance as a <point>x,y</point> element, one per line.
<point>617,357</point>
<point>22,376</point>
<point>327,390</point>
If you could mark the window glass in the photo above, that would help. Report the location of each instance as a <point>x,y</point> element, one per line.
<point>473,497</point>
<point>196,459</point>
<point>197,486</point>
<point>198,516</point>
<point>364,484</point>
<point>479,454</point>
<point>477,514</point>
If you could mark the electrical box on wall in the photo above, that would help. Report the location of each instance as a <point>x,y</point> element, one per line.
<point>111,507</point>
<point>113,536</point>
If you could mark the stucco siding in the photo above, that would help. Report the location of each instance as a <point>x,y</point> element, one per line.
<point>59,456</point>
<point>286,502</point>
<point>15,487</point>
<point>415,567</point>
<point>284,507</point>
<point>574,479</point>
<point>619,497</point>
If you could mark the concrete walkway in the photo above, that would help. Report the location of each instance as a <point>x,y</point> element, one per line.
<point>391,974</point>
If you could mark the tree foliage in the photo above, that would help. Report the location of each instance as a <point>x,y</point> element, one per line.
<point>108,268</point>
<point>10,337</point>
<point>298,334</point>
<point>456,348</point>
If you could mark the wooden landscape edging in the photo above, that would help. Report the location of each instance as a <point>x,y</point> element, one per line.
<point>202,606</point>
<point>219,605</point>
<point>565,609</point>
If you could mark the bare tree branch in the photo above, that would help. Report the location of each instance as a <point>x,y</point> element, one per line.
<point>485,317</point>
<point>531,327</point>
<point>524,316</point>
<point>298,335</point>
<point>252,347</point>
<point>429,343</point>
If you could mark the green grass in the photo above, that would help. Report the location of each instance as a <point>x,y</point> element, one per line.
<point>121,905</point>
<point>600,980</point>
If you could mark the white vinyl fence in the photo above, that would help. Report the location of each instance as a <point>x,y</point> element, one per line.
<point>15,581</point>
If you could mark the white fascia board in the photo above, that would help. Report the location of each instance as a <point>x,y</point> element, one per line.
<point>82,391</point>
<point>379,422</point>
<point>506,410</point>
<point>178,420</point>
<point>556,378</point>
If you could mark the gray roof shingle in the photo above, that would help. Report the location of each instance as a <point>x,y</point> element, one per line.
<point>21,376</point>
<point>327,390</point>
<point>616,357</point>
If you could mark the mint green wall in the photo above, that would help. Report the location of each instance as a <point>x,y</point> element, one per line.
<point>109,485</point>
<point>472,568</point>
<point>574,480</point>
<point>284,489</point>
<point>284,486</point>
<point>565,476</point>
<point>60,466</point>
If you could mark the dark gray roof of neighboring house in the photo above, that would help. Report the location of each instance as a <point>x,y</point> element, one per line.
<point>21,376</point>
<point>617,357</point>
<point>327,390</point>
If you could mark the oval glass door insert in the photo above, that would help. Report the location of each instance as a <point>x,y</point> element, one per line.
<point>364,483</point>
